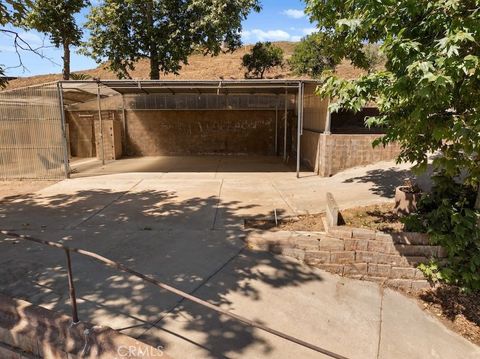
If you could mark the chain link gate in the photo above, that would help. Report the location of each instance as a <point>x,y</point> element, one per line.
<point>33,141</point>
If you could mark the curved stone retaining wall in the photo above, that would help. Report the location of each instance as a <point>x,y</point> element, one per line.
<point>356,252</point>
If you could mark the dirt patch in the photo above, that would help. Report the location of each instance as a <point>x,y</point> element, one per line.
<point>380,217</point>
<point>310,222</point>
<point>12,189</point>
<point>458,310</point>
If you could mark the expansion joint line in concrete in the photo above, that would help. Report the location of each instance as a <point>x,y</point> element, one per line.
<point>217,205</point>
<point>284,199</point>
<point>217,167</point>
<point>192,292</point>
<point>382,290</point>
<point>105,207</point>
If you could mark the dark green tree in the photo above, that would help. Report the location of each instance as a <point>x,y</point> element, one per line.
<point>313,55</point>
<point>165,32</point>
<point>428,96</point>
<point>263,57</point>
<point>56,18</point>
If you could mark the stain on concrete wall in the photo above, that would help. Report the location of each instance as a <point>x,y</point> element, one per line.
<point>174,132</point>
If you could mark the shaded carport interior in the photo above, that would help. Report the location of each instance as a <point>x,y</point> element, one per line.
<point>278,101</point>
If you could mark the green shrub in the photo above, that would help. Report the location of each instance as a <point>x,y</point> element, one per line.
<point>263,57</point>
<point>447,214</point>
<point>314,55</point>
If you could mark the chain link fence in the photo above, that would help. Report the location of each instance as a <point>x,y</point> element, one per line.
<point>33,142</point>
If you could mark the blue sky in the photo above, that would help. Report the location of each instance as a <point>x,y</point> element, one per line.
<point>279,20</point>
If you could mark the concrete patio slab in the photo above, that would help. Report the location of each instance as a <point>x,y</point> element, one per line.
<point>64,204</point>
<point>186,229</point>
<point>309,304</point>
<point>407,332</point>
<point>163,203</point>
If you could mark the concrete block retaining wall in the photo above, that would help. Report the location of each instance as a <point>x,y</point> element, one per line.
<point>339,152</point>
<point>28,331</point>
<point>356,252</point>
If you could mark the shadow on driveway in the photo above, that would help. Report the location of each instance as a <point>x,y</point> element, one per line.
<point>154,232</point>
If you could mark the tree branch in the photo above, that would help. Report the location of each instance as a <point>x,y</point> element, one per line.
<point>21,44</point>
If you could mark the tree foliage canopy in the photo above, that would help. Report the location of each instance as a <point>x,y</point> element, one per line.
<point>166,32</point>
<point>428,94</point>
<point>56,18</point>
<point>13,11</point>
<point>313,55</point>
<point>429,101</point>
<point>262,57</point>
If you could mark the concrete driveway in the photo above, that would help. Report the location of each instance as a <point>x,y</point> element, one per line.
<point>186,229</point>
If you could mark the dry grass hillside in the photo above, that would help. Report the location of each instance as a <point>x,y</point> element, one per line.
<point>226,66</point>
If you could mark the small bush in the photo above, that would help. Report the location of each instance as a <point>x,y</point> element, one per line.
<point>448,215</point>
<point>79,76</point>
<point>314,55</point>
<point>262,57</point>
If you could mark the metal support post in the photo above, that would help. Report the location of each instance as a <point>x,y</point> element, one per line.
<point>299,125</point>
<point>64,131</point>
<point>71,288</point>
<point>100,124</point>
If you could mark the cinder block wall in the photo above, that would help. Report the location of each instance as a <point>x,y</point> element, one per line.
<point>339,152</point>
<point>112,139</point>
<point>310,149</point>
<point>84,133</point>
<point>183,132</point>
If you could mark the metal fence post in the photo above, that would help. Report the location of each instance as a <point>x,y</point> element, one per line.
<point>64,130</point>
<point>71,288</point>
<point>285,126</point>
<point>100,123</point>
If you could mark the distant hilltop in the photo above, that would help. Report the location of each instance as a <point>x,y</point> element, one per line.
<point>224,66</point>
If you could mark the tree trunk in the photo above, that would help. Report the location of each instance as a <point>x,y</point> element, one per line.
<point>154,71</point>
<point>154,63</point>
<point>66,61</point>
<point>477,204</point>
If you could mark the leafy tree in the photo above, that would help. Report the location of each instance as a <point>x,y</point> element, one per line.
<point>261,58</point>
<point>13,11</point>
<point>166,32</point>
<point>374,57</point>
<point>56,19</point>
<point>428,94</point>
<point>313,55</point>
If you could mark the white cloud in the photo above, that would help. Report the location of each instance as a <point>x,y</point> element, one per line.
<point>268,35</point>
<point>294,13</point>
<point>309,30</point>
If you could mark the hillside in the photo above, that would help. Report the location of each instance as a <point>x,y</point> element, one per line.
<point>226,66</point>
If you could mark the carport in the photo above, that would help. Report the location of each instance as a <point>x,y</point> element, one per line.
<point>216,117</point>
<point>45,127</point>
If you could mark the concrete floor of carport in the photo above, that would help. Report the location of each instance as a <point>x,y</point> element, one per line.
<point>209,166</point>
<point>185,228</point>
